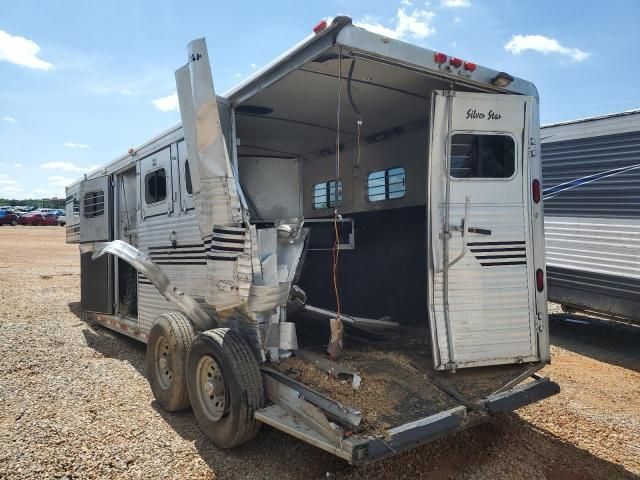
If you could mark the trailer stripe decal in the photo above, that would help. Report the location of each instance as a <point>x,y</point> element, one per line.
<point>495,264</point>
<point>473,244</point>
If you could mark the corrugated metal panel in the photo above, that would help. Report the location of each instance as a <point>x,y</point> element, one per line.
<point>617,196</point>
<point>592,230</point>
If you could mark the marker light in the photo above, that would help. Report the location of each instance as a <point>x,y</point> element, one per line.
<point>440,58</point>
<point>539,280</point>
<point>455,62</point>
<point>502,79</point>
<point>470,66</point>
<point>535,190</point>
<point>322,24</point>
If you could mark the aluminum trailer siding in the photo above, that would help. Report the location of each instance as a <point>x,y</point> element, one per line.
<point>591,172</point>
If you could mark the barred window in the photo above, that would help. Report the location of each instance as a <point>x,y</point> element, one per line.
<point>93,204</point>
<point>482,156</point>
<point>156,186</point>
<point>388,184</point>
<point>324,194</point>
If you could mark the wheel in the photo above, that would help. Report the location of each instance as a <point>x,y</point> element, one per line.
<point>13,223</point>
<point>167,347</point>
<point>225,387</point>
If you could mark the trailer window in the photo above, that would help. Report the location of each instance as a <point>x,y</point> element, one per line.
<point>93,204</point>
<point>482,156</point>
<point>156,186</point>
<point>187,178</point>
<point>324,194</point>
<point>386,184</point>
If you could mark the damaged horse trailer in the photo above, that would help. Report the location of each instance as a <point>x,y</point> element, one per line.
<point>347,246</point>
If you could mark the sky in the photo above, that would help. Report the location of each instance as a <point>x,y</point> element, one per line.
<point>81,82</point>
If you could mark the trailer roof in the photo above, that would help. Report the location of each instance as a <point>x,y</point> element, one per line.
<point>596,126</point>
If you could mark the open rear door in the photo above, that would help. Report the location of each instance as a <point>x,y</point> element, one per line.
<point>481,285</point>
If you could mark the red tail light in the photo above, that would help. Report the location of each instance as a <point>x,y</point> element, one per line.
<point>455,62</point>
<point>320,26</point>
<point>440,58</point>
<point>470,66</point>
<point>536,190</point>
<point>539,280</point>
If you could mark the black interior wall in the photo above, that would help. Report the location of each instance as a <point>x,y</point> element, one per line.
<point>386,273</point>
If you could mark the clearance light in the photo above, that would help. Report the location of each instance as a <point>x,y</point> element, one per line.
<point>455,62</point>
<point>470,66</point>
<point>539,280</point>
<point>322,24</point>
<point>502,79</point>
<point>535,190</point>
<point>440,58</point>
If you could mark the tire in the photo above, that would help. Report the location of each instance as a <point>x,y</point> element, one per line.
<point>169,338</point>
<point>234,423</point>
<point>13,223</point>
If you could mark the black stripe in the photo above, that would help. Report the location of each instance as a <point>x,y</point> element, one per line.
<point>179,257</point>
<point>176,252</point>
<point>506,249</point>
<point>223,259</point>
<point>196,245</point>
<point>500,256</point>
<point>228,232</point>
<point>495,264</point>
<point>181,263</point>
<point>227,249</point>
<point>229,240</point>
<point>471,244</point>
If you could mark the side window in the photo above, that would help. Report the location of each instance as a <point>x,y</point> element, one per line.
<point>93,204</point>
<point>482,156</point>
<point>155,186</point>
<point>324,194</point>
<point>187,178</point>
<point>386,184</point>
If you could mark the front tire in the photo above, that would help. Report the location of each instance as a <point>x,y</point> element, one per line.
<point>13,223</point>
<point>225,387</point>
<point>167,347</point>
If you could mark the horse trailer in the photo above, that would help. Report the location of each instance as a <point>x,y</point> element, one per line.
<point>347,246</point>
<point>591,171</point>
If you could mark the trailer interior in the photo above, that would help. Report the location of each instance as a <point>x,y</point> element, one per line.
<point>288,167</point>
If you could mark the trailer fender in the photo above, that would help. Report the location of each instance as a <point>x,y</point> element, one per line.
<point>143,264</point>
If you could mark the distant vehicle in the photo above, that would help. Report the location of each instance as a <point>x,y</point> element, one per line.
<point>37,218</point>
<point>47,210</point>
<point>62,220</point>
<point>8,218</point>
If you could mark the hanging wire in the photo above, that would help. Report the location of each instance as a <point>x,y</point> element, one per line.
<point>336,210</point>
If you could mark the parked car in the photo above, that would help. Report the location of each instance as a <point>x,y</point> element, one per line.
<point>8,218</point>
<point>62,220</point>
<point>37,218</point>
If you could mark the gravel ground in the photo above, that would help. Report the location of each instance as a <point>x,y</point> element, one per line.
<point>74,401</point>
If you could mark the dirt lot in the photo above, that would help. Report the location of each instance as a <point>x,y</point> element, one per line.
<point>74,401</point>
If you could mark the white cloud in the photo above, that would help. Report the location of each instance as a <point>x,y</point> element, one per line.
<point>76,145</point>
<point>406,3</point>
<point>544,45</point>
<point>58,181</point>
<point>167,104</point>
<point>18,165</point>
<point>66,167</point>
<point>457,20</point>
<point>253,65</point>
<point>21,51</point>
<point>126,91</point>
<point>456,3</point>
<point>8,186</point>
<point>416,24</point>
<point>9,119</point>
<point>238,75</point>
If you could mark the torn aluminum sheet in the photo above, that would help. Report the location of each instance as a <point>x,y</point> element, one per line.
<point>281,335</point>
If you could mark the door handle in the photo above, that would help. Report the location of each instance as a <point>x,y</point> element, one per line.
<point>464,229</point>
<point>480,231</point>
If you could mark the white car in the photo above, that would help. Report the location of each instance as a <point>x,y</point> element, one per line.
<point>62,220</point>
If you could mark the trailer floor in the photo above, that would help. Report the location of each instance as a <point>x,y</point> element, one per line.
<point>75,402</point>
<point>397,384</point>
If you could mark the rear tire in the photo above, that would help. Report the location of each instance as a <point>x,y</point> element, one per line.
<point>13,223</point>
<point>225,387</point>
<point>169,340</point>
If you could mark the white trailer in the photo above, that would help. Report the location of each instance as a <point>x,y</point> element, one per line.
<point>357,173</point>
<point>591,170</point>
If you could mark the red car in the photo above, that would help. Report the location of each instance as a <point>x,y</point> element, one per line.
<point>8,218</point>
<point>36,218</point>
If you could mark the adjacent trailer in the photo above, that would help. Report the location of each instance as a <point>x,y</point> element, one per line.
<point>347,246</point>
<point>591,170</point>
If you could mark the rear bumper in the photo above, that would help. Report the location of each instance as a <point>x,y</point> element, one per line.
<point>431,428</point>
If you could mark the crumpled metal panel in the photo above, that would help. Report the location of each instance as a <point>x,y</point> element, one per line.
<point>263,298</point>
